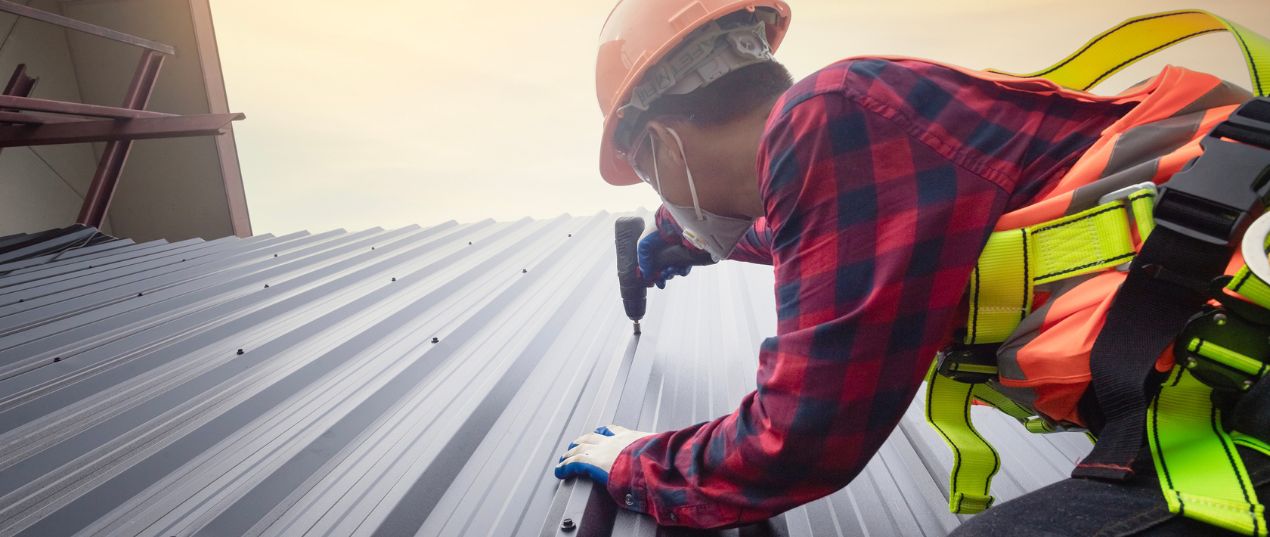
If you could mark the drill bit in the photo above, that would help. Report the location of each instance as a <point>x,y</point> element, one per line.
<point>637,332</point>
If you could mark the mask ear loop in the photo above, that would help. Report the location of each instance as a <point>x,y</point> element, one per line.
<point>652,148</point>
<point>692,187</point>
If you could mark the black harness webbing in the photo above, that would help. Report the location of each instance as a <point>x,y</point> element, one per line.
<point>1199,215</point>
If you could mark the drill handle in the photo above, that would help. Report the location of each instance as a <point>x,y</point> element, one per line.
<point>681,256</point>
<point>626,233</point>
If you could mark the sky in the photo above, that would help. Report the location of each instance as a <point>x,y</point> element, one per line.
<point>389,112</point>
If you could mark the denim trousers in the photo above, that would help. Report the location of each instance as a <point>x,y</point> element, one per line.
<point>1089,507</point>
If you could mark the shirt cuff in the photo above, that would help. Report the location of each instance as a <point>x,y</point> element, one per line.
<point>626,484</point>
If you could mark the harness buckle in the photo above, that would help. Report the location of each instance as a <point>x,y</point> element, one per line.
<point>1222,349</point>
<point>1210,201</point>
<point>1123,195</point>
<point>971,364</point>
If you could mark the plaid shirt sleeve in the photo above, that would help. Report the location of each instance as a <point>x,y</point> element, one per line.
<point>881,181</point>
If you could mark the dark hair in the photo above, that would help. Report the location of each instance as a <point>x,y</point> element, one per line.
<point>730,97</point>
<point>725,100</point>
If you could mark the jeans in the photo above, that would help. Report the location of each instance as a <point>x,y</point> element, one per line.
<point>1089,507</point>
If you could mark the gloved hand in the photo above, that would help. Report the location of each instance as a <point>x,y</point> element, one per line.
<point>593,454</point>
<point>651,248</point>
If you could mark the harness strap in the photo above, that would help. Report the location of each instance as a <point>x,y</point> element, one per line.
<point>1014,261</point>
<point>1251,442</point>
<point>1201,473</point>
<point>1150,309</point>
<point>1250,287</point>
<point>1139,37</point>
<point>974,461</point>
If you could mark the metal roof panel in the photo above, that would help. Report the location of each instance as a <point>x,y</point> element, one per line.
<point>403,382</point>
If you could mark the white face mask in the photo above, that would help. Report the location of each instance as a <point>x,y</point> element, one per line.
<point>713,233</point>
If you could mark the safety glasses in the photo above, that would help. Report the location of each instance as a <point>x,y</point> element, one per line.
<point>645,139</point>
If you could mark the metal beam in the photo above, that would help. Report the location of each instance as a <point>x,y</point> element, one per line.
<point>31,104</point>
<point>100,191</point>
<point>81,26</point>
<point>18,117</point>
<point>74,132</point>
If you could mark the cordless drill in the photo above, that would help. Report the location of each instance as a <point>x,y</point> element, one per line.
<point>634,288</point>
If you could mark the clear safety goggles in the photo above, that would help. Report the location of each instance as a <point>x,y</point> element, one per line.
<point>645,139</point>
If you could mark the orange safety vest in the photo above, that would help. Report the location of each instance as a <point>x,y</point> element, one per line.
<point>1044,364</point>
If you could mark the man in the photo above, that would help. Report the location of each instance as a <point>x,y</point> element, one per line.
<point>870,187</point>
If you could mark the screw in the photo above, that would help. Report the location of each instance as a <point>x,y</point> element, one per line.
<point>524,271</point>
<point>275,255</point>
<point>1220,319</point>
<point>570,234</point>
<point>21,300</point>
<point>1191,363</point>
<point>394,279</point>
<point>266,286</point>
<point>138,294</point>
<point>57,358</point>
<point>469,243</point>
<point>240,352</point>
<point>567,524</point>
<point>436,340</point>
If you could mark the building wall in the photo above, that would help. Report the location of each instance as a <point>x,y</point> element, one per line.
<point>42,187</point>
<point>172,189</point>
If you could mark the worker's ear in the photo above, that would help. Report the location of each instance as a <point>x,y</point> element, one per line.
<point>669,151</point>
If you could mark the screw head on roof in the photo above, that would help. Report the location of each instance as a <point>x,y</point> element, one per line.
<point>469,243</point>
<point>138,294</point>
<point>21,300</point>
<point>394,279</point>
<point>524,271</point>
<point>266,286</point>
<point>372,247</point>
<point>570,236</point>
<point>567,525</point>
<point>436,340</point>
<point>240,352</point>
<point>57,358</point>
<point>275,255</point>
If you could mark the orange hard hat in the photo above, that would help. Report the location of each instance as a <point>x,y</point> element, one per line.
<point>640,33</point>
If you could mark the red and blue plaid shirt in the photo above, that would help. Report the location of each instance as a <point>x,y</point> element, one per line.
<point>881,180</point>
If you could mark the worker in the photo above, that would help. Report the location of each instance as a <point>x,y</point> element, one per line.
<point>873,188</point>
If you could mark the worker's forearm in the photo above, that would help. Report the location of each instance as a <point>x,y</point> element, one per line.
<point>742,468</point>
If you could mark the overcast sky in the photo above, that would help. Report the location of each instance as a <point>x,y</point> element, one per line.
<point>395,112</point>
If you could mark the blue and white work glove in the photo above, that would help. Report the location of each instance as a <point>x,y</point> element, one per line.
<point>593,454</point>
<point>650,247</point>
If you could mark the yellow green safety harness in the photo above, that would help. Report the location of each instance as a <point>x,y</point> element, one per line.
<point>1222,351</point>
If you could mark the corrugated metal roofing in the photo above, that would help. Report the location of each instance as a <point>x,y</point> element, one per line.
<point>392,382</point>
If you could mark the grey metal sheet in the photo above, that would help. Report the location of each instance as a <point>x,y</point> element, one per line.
<point>293,386</point>
<point>82,252</point>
